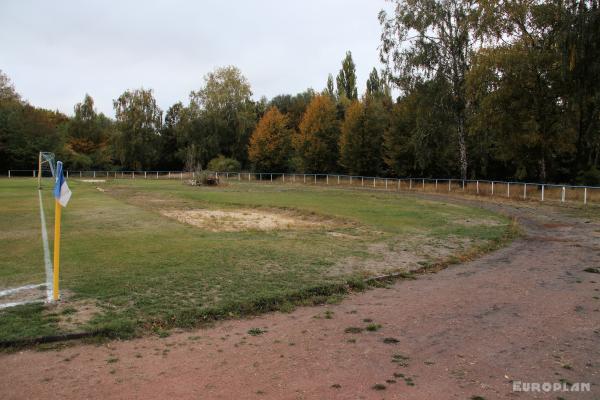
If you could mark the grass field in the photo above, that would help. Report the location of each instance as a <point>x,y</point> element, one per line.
<point>127,269</point>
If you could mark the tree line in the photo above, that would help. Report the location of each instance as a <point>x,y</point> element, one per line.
<point>471,89</point>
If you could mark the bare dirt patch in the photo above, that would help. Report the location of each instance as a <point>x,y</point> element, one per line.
<point>73,315</point>
<point>241,220</point>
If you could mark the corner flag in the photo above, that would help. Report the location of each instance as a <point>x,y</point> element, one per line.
<point>62,193</point>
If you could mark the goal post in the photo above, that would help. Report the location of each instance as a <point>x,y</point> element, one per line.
<point>46,161</point>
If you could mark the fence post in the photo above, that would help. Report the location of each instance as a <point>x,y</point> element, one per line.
<point>144,174</point>
<point>94,174</point>
<point>304,178</point>
<point>132,174</point>
<point>508,189</point>
<point>327,179</point>
<point>477,187</point>
<point>68,174</point>
<point>315,179</point>
<point>492,188</point>
<point>524,191</point>
<point>9,174</point>
<point>338,177</point>
<point>562,197</point>
<point>248,176</point>
<point>398,188</point>
<point>463,185</point>
<point>156,175</point>
<point>385,183</point>
<point>80,174</point>
<point>33,173</point>
<point>362,181</point>
<point>542,192</point>
<point>436,182</point>
<point>584,195</point>
<point>283,177</point>
<point>181,175</point>
<point>423,184</point>
<point>169,174</point>
<point>374,182</point>
<point>449,185</point>
<point>271,178</point>
<point>410,184</point>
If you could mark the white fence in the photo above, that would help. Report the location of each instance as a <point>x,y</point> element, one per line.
<point>511,190</point>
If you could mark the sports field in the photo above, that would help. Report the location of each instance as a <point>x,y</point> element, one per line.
<point>143,257</point>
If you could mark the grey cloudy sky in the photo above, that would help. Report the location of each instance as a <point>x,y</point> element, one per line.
<point>56,51</point>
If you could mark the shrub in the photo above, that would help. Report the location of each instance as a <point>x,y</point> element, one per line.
<point>223,164</point>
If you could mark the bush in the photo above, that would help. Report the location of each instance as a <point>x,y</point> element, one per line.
<point>589,177</point>
<point>224,164</point>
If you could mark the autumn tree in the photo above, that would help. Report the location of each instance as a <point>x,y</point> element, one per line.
<point>317,141</point>
<point>294,106</point>
<point>271,142</point>
<point>138,123</point>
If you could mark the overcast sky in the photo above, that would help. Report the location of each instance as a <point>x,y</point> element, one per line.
<point>56,51</point>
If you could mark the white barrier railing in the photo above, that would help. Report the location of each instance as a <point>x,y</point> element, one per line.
<point>509,189</point>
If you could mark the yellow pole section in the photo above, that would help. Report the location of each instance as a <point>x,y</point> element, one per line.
<point>57,212</point>
<point>39,171</point>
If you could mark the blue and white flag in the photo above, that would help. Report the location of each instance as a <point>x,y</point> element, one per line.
<point>62,193</point>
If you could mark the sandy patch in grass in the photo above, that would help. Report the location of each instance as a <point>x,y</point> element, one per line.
<point>404,254</point>
<point>93,180</point>
<point>236,221</point>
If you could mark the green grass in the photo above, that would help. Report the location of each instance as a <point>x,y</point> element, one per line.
<point>149,273</point>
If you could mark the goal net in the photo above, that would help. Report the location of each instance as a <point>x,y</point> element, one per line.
<point>47,163</point>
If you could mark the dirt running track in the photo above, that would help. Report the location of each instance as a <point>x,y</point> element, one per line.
<point>526,313</point>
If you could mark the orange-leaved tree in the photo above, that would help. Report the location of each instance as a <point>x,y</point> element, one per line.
<point>271,142</point>
<point>317,141</point>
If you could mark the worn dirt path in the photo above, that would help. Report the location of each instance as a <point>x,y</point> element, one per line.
<point>527,312</point>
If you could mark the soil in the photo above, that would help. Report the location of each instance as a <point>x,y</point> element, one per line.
<point>234,221</point>
<point>527,312</point>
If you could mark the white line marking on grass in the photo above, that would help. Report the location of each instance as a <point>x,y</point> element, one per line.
<point>47,262</point>
<point>19,303</point>
<point>7,292</point>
